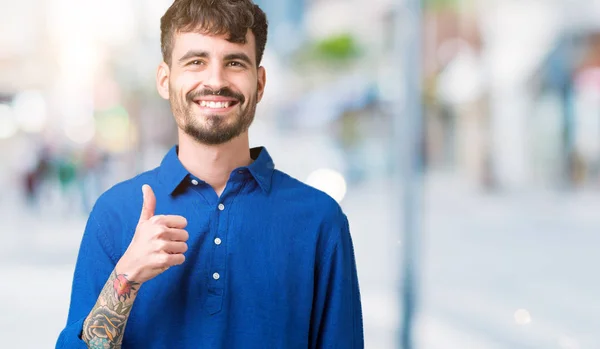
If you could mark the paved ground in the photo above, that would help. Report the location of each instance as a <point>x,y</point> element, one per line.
<point>483,257</point>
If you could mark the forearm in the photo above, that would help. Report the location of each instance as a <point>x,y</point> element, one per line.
<point>105,325</point>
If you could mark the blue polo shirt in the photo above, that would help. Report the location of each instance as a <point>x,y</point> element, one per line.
<point>270,264</point>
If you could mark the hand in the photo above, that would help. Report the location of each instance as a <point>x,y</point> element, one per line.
<point>159,242</point>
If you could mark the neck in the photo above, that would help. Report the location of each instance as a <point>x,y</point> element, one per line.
<point>214,163</point>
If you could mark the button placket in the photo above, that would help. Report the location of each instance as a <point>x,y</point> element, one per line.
<point>217,277</point>
<point>218,266</point>
<point>217,242</point>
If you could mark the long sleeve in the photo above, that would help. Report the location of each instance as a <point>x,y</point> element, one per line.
<point>95,262</point>
<point>337,315</point>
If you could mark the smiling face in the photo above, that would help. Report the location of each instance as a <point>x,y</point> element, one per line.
<point>213,86</point>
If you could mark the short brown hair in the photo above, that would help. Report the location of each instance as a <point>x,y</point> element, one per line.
<point>214,17</point>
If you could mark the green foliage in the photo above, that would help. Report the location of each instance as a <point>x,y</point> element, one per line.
<point>334,51</point>
<point>339,47</point>
<point>441,4</point>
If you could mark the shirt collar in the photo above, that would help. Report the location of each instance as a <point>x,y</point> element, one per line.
<point>262,167</point>
<point>172,171</point>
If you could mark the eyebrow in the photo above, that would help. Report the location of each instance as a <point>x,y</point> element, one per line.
<point>204,54</point>
<point>193,54</point>
<point>238,56</point>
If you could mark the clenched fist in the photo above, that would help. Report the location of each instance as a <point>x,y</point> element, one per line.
<point>159,242</point>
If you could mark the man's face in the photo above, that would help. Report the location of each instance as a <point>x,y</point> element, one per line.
<point>213,86</point>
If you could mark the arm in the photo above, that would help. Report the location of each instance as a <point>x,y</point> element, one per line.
<point>105,325</point>
<point>158,243</point>
<point>337,314</point>
<point>95,261</point>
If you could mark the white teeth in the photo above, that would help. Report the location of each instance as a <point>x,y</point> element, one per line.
<point>214,105</point>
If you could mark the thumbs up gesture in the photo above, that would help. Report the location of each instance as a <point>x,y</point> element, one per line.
<point>159,242</point>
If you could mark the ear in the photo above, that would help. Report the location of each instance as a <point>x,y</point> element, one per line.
<point>162,80</point>
<point>262,80</point>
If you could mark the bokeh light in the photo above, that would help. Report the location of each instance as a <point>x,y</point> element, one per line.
<point>30,111</point>
<point>8,124</point>
<point>522,317</point>
<point>329,181</point>
<point>81,132</point>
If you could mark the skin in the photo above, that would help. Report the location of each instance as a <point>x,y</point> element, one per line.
<point>212,143</point>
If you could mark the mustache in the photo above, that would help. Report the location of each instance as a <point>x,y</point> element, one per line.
<point>223,92</point>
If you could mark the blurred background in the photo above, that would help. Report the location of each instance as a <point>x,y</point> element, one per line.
<point>507,168</point>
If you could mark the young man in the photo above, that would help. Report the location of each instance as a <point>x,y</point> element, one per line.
<point>214,248</point>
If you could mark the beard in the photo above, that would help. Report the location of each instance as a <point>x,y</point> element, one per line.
<point>215,130</point>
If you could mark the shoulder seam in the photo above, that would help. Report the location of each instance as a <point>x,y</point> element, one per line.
<point>332,245</point>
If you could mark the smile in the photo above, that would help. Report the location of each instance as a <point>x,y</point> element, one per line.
<point>223,104</point>
<point>215,105</point>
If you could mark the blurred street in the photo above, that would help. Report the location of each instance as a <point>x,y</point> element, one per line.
<point>508,140</point>
<point>484,258</point>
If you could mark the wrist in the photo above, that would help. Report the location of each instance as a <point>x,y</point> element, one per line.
<point>130,273</point>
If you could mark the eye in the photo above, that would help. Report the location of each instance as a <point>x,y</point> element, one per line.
<point>196,62</point>
<point>236,64</point>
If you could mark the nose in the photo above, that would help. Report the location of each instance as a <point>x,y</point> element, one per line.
<point>215,78</point>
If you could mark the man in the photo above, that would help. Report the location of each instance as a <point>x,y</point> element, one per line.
<point>214,248</point>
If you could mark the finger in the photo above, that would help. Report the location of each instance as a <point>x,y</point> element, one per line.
<point>169,260</point>
<point>149,203</point>
<point>172,234</point>
<point>172,221</point>
<point>175,247</point>
<point>176,259</point>
<point>156,219</point>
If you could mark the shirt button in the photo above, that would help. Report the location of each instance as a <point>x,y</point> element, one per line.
<point>216,276</point>
<point>217,241</point>
<point>221,207</point>
<point>194,182</point>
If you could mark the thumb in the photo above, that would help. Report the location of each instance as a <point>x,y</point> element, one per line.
<point>149,204</point>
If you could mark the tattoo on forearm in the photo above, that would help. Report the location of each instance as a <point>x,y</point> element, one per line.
<point>105,325</point>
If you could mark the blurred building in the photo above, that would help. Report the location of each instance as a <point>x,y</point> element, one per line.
<point>511,107</point>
